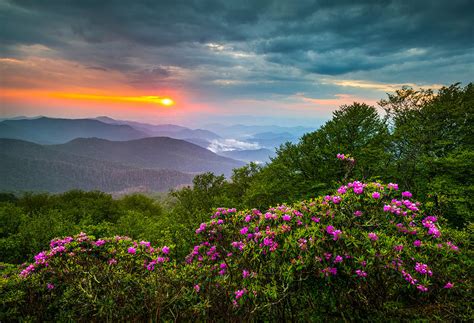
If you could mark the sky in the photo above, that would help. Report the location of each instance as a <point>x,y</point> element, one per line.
<point>249,61</point>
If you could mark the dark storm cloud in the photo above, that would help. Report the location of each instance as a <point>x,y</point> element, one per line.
<point>323,37</point>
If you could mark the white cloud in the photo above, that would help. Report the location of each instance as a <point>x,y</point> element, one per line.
<point>219,145</point>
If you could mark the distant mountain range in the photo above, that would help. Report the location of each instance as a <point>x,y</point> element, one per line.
<point>25,166</point>
<point>164,130</point>
<point>154,152</point>
<point>55,154</point>
<point>45,130</point>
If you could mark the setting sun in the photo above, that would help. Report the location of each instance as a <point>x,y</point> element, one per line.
<point>167,102</point>
<point>164,101</point>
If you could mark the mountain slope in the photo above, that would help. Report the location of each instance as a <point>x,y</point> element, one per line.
<point>165,130</point>
<point>156,152</point>
<point>25,166</point>
<point>54,131</point>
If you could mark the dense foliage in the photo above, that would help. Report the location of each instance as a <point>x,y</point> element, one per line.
<point>367,250</point>
<point>358,251</point>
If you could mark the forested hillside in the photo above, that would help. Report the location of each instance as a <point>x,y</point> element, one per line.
<point>26,166</point>
<point>154,152</point>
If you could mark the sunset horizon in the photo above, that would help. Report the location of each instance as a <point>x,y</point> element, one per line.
<point>280,62</point>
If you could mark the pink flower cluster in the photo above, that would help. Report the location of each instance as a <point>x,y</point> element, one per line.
<point>336,234</point>
<point>423,269</point>
<point>344,157</point>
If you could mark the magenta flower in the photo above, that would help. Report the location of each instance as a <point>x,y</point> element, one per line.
<point>50,286</point>
<point>338,259</point>
<point>336,235</point>
<point>423,269</point>
<point>361,273</point>
<point>398,248</point>
<point>248,218</point>
<point>336,199</point>
<point>422,288</point>
<point>376,195</point>
<point>99,243</point>
<point>387,208</point>
<point>315,219</point>
<point>132,250</point>
<point>330,229</point>
<point>417,243</point>
<point>393,186</point>
<point>165,250</point>
<point>244,230</point>
<point>372,236</point>
<point>112,261</point>
<point>286,217</point>
<point>239,293</point>
<point>358,213</point>
<point>197,288</point>
<point>448,285</point>
<point>407,194</point>
<point>342,190</point>
<point>245,273</point>
<point>202,228</point>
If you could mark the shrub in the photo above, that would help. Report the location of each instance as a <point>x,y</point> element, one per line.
<point>368,251</point>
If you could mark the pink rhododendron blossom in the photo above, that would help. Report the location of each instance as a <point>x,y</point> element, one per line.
<point>393,186</point>
<point>131,250</point>
<point>422,288</point>
<point>358,213</point>
<point>99,243</point>
<point>448,285</point>
<point>398,248</point>
<point>239,293</point>
<point>336,235</point>
<point>330,229</point>
<point>50,286</point>
<point>165,250</point>
<point>361,273</point>
<point>376,195</point>
<point>423,269</point>
<point>197,288</point>
<point>407,194</point>
<point>286,217</point>
<point>417,243</point>
<point>372,236</point>
<point>336,199</point>
<point>338,259</point>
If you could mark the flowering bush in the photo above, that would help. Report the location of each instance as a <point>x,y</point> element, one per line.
<point>81,277</point>
<point>369,248</point>
<point>366,246</point>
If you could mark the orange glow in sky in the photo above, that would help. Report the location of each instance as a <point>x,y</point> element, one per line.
<point>164,101</point>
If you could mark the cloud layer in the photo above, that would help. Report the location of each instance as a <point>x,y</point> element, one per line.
<point>217,52</point>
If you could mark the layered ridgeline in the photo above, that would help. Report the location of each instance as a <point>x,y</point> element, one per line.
<point>155,152</point>
<point>157,164</point>
<point>45,130</point>
<point>367,251</point>
<point>26,166</point>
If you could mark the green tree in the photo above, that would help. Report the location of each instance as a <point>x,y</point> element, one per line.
<point>432,147</point>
